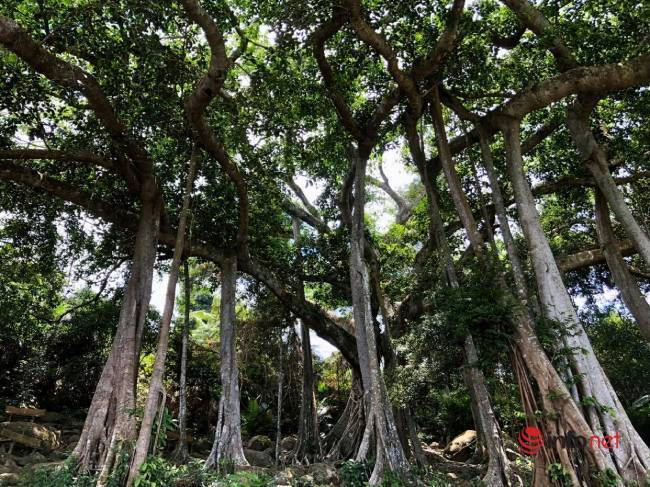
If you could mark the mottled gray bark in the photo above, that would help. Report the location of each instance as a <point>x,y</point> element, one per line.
<point>157,375</point>
<point>389,454</point>
<point>227,448</point>
<point>110,421</point>
<point>632,459</point>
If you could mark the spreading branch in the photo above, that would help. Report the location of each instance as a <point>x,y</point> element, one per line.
<point>210,85</point>
<point>15,39</point>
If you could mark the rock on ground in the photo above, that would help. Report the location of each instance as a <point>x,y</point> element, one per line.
<point>258,458</point>
<point>459,448</point>
<point>288,443</point>
<point>259,443</point>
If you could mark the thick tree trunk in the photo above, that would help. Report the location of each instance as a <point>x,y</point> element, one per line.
<point>597,163</point>
<point>308,448</point>
<point>498,472</point>
<point>156,383</point>
<point>631,459</point>
<point>530,360</point>
<point>625,282</point>
<point>344,439</point>
<point>181,453</point>
<point>379,412</point>
<point>227,449</point>
<point>110,421</point>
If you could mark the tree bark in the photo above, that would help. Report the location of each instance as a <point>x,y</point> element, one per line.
<point>158,373</point>
<point>110,421</point>
<point>379,412</point>
<point>181,454</point>
<point>308,447</point>
<point>344,439</point>
<point>529,359</point>
<point>597,163</point>
<point>632,459</point>
<point>625,282</point>
<point>227,449</point>
<point>498,472</point>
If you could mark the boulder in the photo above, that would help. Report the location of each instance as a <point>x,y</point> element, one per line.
<point>31,435</point>
<point>323,474</point>
<point>284,477</point>
<point>258,458</point>
<point>459,448</point>
<point>9,478</point>
<point>288,443</point>
<point>31,459</point>
<point>259,442</point>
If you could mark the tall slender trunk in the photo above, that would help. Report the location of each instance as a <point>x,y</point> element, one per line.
<point>156,384</point>
<point>597,163</point>
<point>110,422</point>
<point>379,412</point>
<point>502,217</point>
<point>625,282</point>
<point>498,467</point>
<point>181,454</point>
<point>530,360</point>
<point>602,408</point>
<point>227,449</point>
<point>278,419</point>
<point>308,447</point>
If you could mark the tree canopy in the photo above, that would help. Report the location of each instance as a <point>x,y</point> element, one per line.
<point>453,195</point>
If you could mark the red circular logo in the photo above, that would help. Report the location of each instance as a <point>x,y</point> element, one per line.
<point>530,440</point>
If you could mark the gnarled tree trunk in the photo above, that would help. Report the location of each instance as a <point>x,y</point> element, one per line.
<point>379,412</point>
<point>344,439</point>
<point>498,472</point>
<point>597,163</point>
<point>110,422</point>
<point>602,408</point>
<point>530,361</point>
<point>227,448</point>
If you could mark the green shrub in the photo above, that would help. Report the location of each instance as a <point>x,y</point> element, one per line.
<point>355,474</point>
<point>63,476</point>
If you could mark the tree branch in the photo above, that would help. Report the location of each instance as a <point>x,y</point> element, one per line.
<point>318,40</point>
<point>14,38</point>
<point>86,157</point>
<point>205,91</point>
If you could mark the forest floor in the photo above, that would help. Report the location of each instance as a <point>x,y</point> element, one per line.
<point>46,442</point>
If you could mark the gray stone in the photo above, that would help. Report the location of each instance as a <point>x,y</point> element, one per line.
<point>258,458</point>
<point>9,478</point>
<point>259,442</point>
